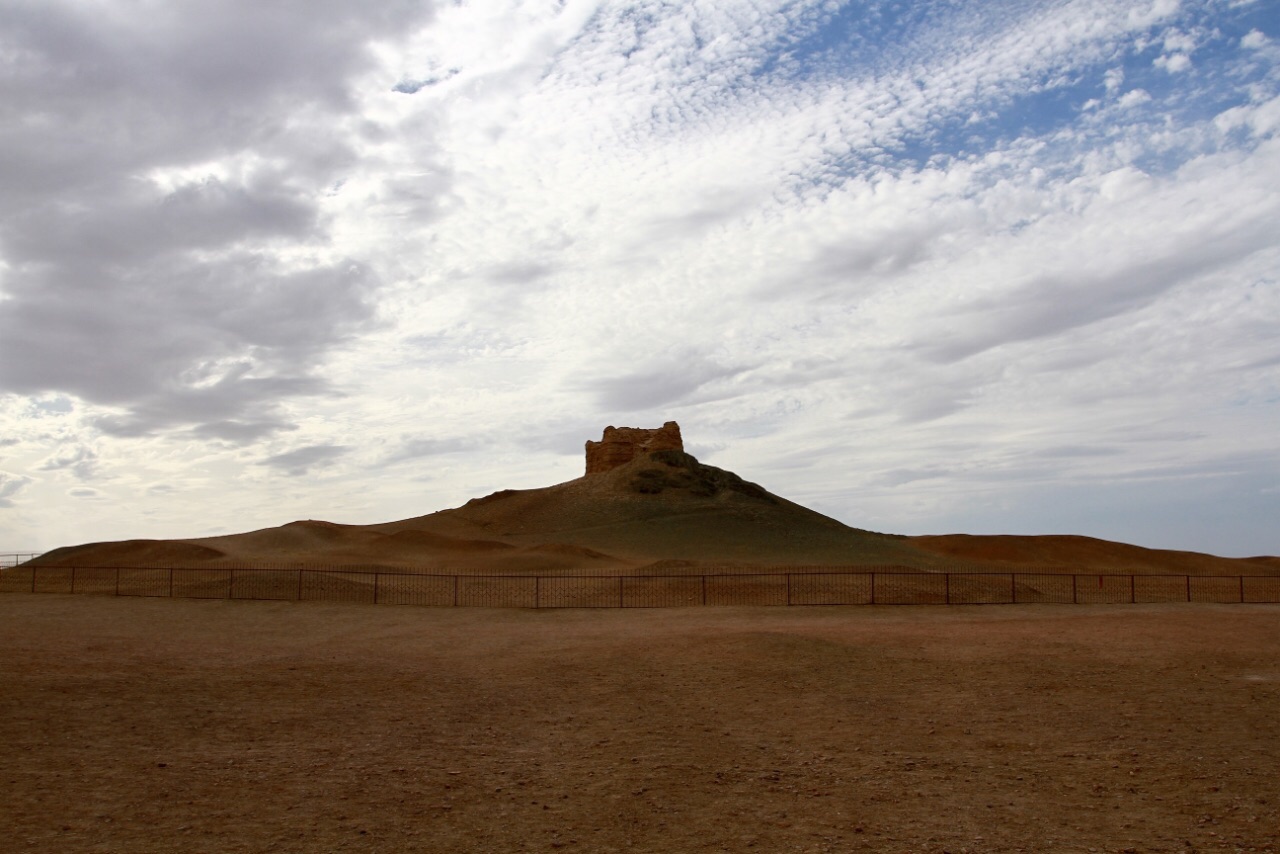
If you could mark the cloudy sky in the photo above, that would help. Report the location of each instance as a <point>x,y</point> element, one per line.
<point>992,266</point>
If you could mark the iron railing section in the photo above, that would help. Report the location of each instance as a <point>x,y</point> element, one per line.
<point>774,587</point>
<point>8,559</point>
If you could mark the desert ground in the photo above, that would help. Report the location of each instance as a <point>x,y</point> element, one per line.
<point>134,725</point>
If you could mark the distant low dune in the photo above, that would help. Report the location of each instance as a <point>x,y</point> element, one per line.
<point>1068,553</point>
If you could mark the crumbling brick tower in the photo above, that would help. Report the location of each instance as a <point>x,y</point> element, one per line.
<point>621,445</point>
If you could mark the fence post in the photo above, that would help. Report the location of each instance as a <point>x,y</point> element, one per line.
<point>170,582</point>
<point>376,577</point>
<point>873,588</point>
<point>1132,595</point>
<point>1241,587</point>
<point>117,579</point>
<point>537,589</point>
<point>1074,599</point>
<point>947,580</point>
<point>1013,588</point>
<point>231,584</point>
<point>704,590</point>
<point>1188,587</point>
<point>620,605</point>
<point>789,588</point>
<point>455,591</point>
<point>299,599</point>
<point>73,581</point>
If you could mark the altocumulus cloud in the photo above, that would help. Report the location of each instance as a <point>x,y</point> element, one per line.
<point>990,266</point>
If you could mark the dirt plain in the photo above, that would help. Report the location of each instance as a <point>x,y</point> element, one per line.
<point>137,725</point>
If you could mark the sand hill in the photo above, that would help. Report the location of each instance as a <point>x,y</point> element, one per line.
<point>638,510</point>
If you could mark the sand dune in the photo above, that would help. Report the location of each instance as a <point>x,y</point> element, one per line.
<point>132,553</point>
<point>1067,552</point>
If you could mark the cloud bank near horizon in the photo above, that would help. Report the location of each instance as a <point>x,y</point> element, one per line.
<point>995,267</point>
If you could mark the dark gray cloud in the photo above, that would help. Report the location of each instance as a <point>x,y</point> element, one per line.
<point>713,206</point>
<point>218,343</point>
<point>179,300</point>
<point>79,460</point>
<point>235,432</point>
<point>99,91</point>
<point>11,485</point>
<point>127,222</point>
<point>899,477</point>
<point>1270,361</point>
<point>519,273</point>
<point>852,268</point>
<point>929,403</point>
<point>1056,303</point>
<point>662,382</point>
<point>416,447</point>
<point>1077,451</point>
<point>563,436</point>
<point>300,461</point>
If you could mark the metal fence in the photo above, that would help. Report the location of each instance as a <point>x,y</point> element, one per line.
<point>14,558</point>
<point>871,587</point>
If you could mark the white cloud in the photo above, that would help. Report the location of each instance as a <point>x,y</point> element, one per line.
<point>1254,39</point>
<point>1178,41</point>
<point>1173,63</point>
<point>1144,15</point>
<point>1262,119</point>
<point>1133,98</point>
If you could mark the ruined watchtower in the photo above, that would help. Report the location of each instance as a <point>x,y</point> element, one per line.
<point>621,445</point>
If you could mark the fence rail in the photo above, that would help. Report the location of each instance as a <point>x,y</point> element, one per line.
<point>640,591</point>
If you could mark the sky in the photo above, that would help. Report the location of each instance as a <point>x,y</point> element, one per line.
<point>982,266</point>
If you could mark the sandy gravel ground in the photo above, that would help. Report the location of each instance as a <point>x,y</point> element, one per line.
<point>130,725</point>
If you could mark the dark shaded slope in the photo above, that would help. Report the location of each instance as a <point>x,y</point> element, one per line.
<point>668,506</point>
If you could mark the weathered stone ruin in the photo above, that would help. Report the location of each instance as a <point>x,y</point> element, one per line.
<point>621,445</point>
